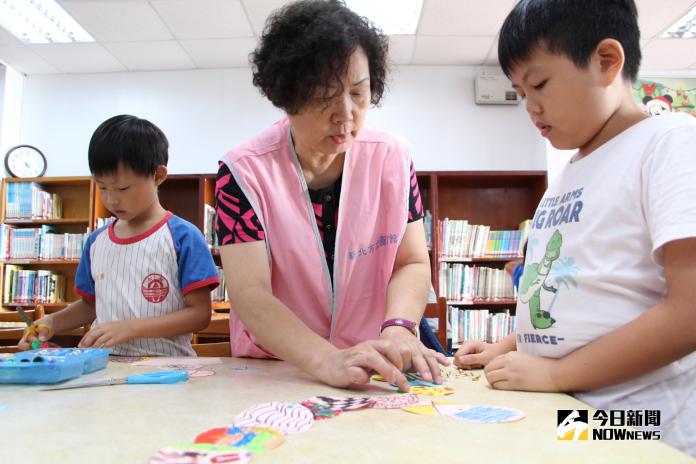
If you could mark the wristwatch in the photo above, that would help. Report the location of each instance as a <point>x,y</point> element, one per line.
<point>405,323</point>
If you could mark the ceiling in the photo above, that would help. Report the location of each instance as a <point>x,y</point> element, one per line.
<point>141,35</point>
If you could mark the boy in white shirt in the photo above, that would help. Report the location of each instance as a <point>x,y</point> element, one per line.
<point>607,306</point>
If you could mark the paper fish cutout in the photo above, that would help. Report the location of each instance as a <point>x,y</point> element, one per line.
<point>286,417</point>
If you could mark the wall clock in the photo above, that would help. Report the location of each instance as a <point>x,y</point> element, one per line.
<point>25,161</point>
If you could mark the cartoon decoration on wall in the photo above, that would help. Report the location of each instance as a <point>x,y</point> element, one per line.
<point>656,106</point>
<point>664,95</point>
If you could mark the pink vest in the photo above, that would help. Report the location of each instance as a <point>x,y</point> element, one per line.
<point>372,218</point>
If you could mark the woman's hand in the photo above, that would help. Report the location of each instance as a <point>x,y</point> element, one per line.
<point>474,354</point>
<point>109,334</point>
<point>413,355</point>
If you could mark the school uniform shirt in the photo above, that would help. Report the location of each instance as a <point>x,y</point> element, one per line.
<point>145,276</point>
<point>594,258</point>
<point>238,223</point>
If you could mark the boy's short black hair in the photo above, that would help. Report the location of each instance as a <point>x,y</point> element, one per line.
<point>135,142</point>
<point>572,28</point>
<point>304,52</point>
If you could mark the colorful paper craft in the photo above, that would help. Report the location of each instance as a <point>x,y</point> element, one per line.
<point>286,417</point>
<point>345,404</point>
<point>253,439</point>
<point>395,401</point>
<point>422,409</point>
<point>439,390</point>
<point>181,362</point>
<point>322,411</point>
<point>479,414</point>
<point>414,380</point>
<point>200,454</point>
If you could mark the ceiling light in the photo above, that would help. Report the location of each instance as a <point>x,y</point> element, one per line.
<point>40,21</point>
<point>394,17</point>
<point>685,28</point>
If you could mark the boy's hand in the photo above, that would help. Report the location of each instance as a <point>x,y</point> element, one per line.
<point>414,356</point>
<point>108,334</point>
<point>43,333</point>
<point>521,371</point>
<point>474,354</point>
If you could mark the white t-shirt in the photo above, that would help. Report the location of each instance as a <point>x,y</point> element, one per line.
<point>594,254</point>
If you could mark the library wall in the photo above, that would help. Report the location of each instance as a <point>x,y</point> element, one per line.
<point>206,112</point>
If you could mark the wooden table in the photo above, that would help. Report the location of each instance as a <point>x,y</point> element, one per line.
<point>128,423</point>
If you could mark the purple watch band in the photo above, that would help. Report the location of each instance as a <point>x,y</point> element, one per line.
<point>405,323</point>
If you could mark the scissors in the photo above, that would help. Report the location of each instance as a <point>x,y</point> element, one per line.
<point>33,329</point>
<point>149,377</point>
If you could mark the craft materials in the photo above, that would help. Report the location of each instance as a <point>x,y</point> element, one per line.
<point>51,365</point>
<point>33,329</point>
<point>439,390</point>
<point>395,401</point>
<point>322,411</point>
<point>479,414</point>
<point>345,404</point>
<point>164,377</point>
<point>253,439</point>
<point>200,454</point>
<point>287,417</point>
<point>422,409</point>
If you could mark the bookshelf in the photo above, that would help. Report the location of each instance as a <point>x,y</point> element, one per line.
<point>499,199</point>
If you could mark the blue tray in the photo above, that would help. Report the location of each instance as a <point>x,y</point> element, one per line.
<point>51,365</point>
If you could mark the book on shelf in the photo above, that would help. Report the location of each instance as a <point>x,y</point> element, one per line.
<point>209,216</point>
<point>461,240</point>
<point>462,282</point>
<point>29,286</point>
<point>40,243</point>
<point>28,200</point>
<point>219,294</point>
<point>428,226</point>
<point>479,324</point>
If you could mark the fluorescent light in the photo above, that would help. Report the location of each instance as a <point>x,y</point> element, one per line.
<point>394,17</point>
<point>685,28</point>
<point>40,21</point>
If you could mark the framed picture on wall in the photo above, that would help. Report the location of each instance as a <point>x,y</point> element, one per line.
<point>663,95</point>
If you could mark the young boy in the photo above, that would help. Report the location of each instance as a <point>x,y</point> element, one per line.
<point>607,305</point>
<point>145,280</point>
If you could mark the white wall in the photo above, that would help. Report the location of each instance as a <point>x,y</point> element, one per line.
<point>206,112</point>
<point>11,90</point>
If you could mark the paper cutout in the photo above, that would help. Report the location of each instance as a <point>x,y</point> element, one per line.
<point>253,439</point>
<point>440,390</point>
<point>286,417</point>
<point>200,454</point>
<point>414,380</point>
<point>127,359</point>
<point>195,373</point>
<point>422,409</point>
<point>454,372</point>
<point>163,361</point>
<point>345,404</point>
<point>479,414</point>
<point>322,411</point>
<point>395,401</point>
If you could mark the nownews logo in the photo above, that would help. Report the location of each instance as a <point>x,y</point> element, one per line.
<point>574,424</point>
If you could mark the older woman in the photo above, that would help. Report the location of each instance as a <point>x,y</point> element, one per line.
<point>320,219</point>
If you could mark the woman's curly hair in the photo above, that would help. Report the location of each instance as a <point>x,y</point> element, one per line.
<point>305,49</point>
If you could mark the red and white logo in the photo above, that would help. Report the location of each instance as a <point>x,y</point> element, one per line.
<point>155,288</point>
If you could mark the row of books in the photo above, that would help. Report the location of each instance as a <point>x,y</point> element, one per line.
<point>460,282</point>
<point>459,239</point>
<point>219,294</point>
<point>428,225</point>
<point>479,324</point>
<point>39,243</point>
<point>28,200</point>
<point>24,286</point>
